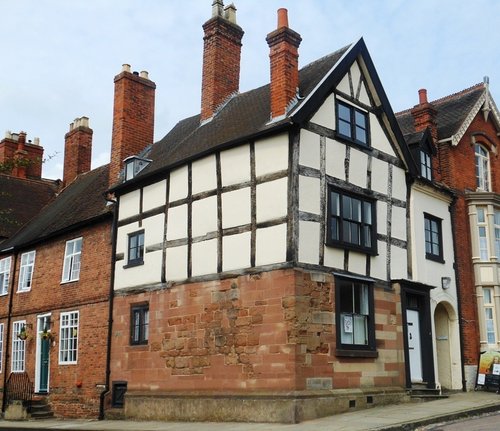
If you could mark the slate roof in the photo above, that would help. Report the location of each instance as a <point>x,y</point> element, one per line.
<point>21,200</point>
<point>451,110</point>
<point>244,115</point>
<point>80,203</point>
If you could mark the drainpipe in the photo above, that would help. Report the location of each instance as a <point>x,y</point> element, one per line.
<point>110,310</point>
<point>459,300</point>
<point>7,335</point>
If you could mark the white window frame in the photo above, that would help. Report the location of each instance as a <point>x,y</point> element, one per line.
<point>72,260</point>
<point>68,337</point>
<point>482,233</point>
<point>489,315</point>
<point>482,160</point>
<point>18,348</point>
<point>425,165</point>
<point>26,271</point>
<point>497,233</point>
<point>1,347</point>
<point>4,275</point>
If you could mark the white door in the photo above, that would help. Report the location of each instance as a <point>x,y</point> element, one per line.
<point>415,352</point>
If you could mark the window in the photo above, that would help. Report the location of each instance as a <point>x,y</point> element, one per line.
<point>72,254</point>
<point>139,324</point>
<point>482,168</point>
<point>433,238</point>
<point>354,314</point>
<point>497,234</point>
<point>351,222</point>
<point>489,315</point>
<point>352,124</point>
<point>136,248</point>
<point>1,347</point>
<point>482,229</point>
<point>26,273</point>
<point>425,165</point>
<point>68,338</point>
<point>18,346</point>
<point>4,275</point>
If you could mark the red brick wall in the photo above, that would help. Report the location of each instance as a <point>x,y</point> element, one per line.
<point>77,152</point>
<point>34,153</point>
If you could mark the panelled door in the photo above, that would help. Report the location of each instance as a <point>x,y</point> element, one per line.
<point>414,346</point>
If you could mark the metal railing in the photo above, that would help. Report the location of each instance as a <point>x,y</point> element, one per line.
<point>19,387</point>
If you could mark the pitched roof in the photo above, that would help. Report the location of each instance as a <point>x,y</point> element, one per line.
<point>78,204</point>
<point>20,200</point>
<point>451,112</point>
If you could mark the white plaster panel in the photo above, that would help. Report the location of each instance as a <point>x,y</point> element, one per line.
<point>236,251</point>
<point>271,154</point>
<point>236,208</point>
<point>309,194</point>
<point>204,218</point>
<point>378,266</point>
<point>309,154</point>
<point>381,217</point>
<point>204,175</point>
<point>309,242</point>
<point>398,225</point>
<point>177,222</point>
<point>129,204</point>
<point>178,184</point>
<point>325,115</point>
<point>235,165</point>
<point>271,245</point>
<point>399,263</point>
<point>153,229</point>
<point>344,85</point>
<point>357,263</point>
<point>355,75</point>
<point>176,263</point>
<point>378,137</point>
<point>398,183</point>
<point>153,196</point>
<point>486,274</point>
<point>122,237</point>
<point>272,200</point>
<point>204,257</point>
<point>147,273</point>
<point>334,257</point>
<point>357,168</point>
<point>380,176</point>
<point>335,157</point>
<point>363,95</point>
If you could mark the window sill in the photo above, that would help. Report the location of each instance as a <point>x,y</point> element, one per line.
<point>434,258</point>
<point>70,281</point>
<point>347,246</point>
<point>132,264</point>
<point>346,353</point>
<point>141,346</point>
<point>23,290</point>
<point>351,141</point>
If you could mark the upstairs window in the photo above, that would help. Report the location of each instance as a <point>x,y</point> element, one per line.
<point>482,232</point>
<point>72,254</point>
<point>433,238</point>
<point>351,222</point>
<point>136,248</point>
<point>4,275</point>
<point>134,165</point>
<point>425,165</point>
<point>482,168</point>
<point>139,324</point>
<point>26,272</point>
<point>352,124</point>
<point>497,234</point>
<point>68,338</point>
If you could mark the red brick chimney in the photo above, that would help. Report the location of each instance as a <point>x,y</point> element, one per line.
<point>21,157</point>
<point>77,149</point>
<point>27,156</point>
<point>221,58</point>
<point>133,118</point>
<point>284,55</point>
<point>424,115</point>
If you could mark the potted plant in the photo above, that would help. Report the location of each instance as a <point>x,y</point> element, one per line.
<point>22,335</point>
<point>47,335</point>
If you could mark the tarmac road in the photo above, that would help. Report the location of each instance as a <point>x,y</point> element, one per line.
<point>487,422</point>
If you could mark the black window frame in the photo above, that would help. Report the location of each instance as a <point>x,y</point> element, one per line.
<point>352,124</point>
<point>438,223</point>
<point>369,349</point>
<point>424,167</point>
<point>138,258</point>
<point>142,329</point>
<point>341,242</point>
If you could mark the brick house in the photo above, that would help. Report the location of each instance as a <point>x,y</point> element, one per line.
<point>262,246</point>
<point>54,311</point>
<point>464,129</point>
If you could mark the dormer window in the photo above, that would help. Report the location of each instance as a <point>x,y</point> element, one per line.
<point>482,168</point>
<point>425,165</point>
<point>134,165</point>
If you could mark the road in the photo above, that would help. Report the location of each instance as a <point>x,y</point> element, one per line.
<point>488,422</point>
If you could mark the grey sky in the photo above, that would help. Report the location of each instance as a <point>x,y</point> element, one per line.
<point>60,56</point>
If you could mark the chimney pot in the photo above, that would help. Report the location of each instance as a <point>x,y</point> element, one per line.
<point>422,96</point>
<point>126,68</point>
<point>282,17</point>
<point>36,141</point>
<point>144,74</point>
<point>230,13</point>
<point>217,8</point>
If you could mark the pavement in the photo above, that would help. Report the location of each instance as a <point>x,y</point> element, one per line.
<point>398,417</point>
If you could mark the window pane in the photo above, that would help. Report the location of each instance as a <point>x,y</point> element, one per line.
<point>480,215</point>
<point>334,203</point>
<point>346,207</point>
<point>360,330</point>
<point>334,227</point>
<point>361,134</point>
<point>367,216</point>
<point>360,119</point>
<point>344,113</point>
<point>356,210</point>
<point>346,300</point>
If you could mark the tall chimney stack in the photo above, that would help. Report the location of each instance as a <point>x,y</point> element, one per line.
<point>77,149</point>
<point>424,115</point>
<point>221,58</point>
<point>133,118</point>
<point>284,56</point>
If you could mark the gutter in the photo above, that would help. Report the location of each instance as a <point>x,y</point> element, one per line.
<point>110,312</point>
